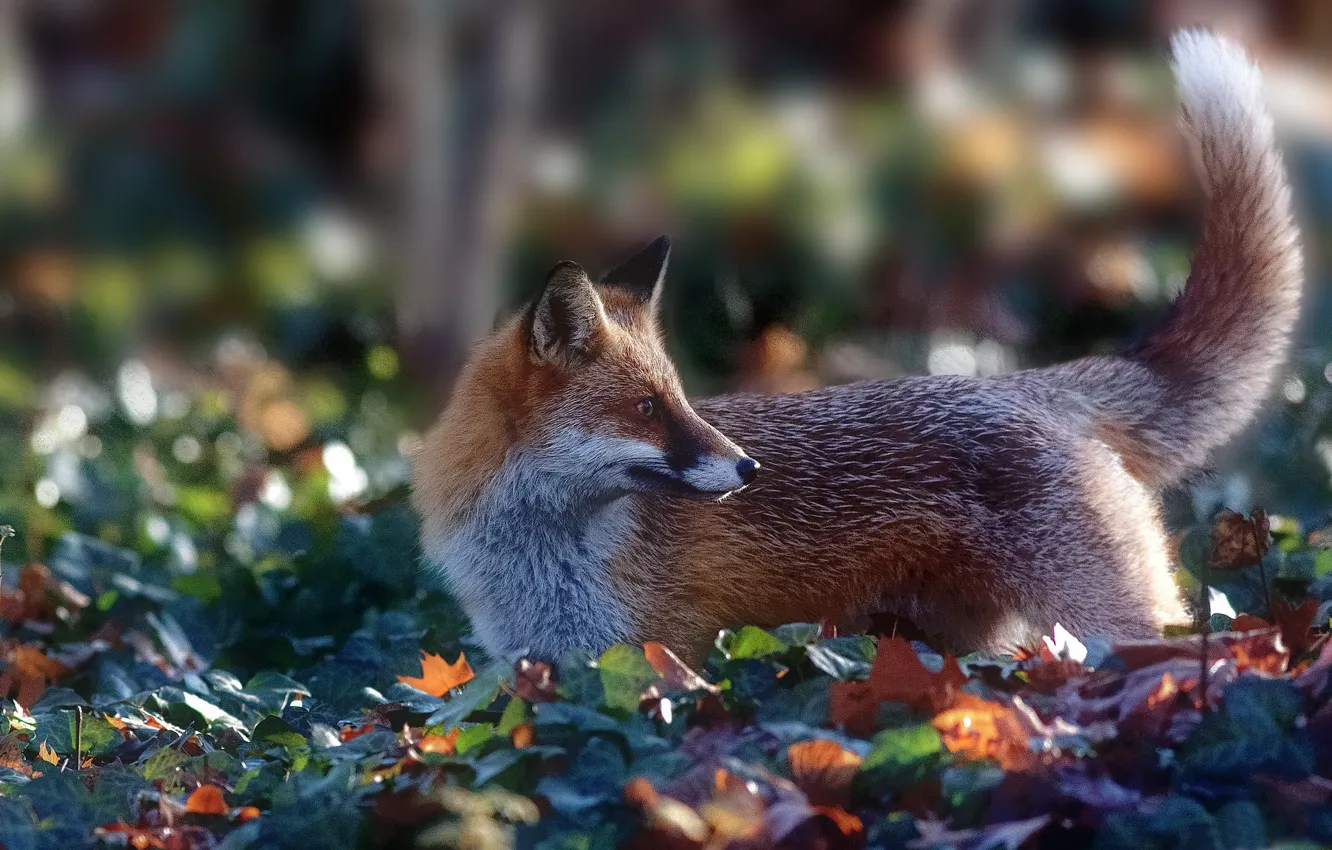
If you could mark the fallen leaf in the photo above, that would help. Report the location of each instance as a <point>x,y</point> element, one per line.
<point>246,813</point>
<point>445,745</point>
<point>847,824</point>
<point>46,754</point>
<point>1296,622</point>
<point>1248,623</point>
<point>736,811</point>
<point>534,681</point>
<point>668,821</point>
<point>823,770</point>
<point>898,675</point>
<point>981,729</point>
<point>522,735</point>
<point>852,707</point>
<point>207,800</point>
<point>675,674</point>
<point>11,756</point>
<point>351,732</point>
<point>438,676</point>
<point>29,670</point>
<point>1238,542</point>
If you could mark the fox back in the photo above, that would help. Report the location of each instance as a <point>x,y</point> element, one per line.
<point>575,498</point>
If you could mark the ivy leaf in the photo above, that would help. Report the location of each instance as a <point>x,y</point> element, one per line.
<point>750,642</point>
<point>625,675</point>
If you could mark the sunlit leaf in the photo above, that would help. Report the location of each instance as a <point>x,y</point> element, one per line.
<point>207,800</point>
<point>438,676</point>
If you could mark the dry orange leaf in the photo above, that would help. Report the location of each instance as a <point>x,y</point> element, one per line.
<point>246,813</point>
<point>442,744</point>
<point>981,729</point>
<point>1166,691</point>
<point>46,754</point>
<point>351,733</point>
<point>139,839</point>
<point>438,676</point>
<point>823,770</point>
<point>522,735</point>
<point>207,800</point>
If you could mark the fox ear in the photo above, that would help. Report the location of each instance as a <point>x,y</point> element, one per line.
<point>568,318</point>
<point>643,273</point>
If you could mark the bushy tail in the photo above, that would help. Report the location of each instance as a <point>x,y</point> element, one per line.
<point>1203,375</point>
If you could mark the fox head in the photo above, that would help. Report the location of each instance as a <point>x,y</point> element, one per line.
<point>581,385</point>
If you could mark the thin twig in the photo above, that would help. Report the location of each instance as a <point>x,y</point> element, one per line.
<point>78,738</point>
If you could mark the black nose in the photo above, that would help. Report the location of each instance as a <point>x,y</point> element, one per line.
<point>748,469</point>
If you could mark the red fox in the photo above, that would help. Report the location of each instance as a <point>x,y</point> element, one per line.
<point>574,498</point>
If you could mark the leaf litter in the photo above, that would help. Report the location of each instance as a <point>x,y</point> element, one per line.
<point>145,721</point>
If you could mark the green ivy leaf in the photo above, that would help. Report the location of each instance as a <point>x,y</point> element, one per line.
<point>625,674</point>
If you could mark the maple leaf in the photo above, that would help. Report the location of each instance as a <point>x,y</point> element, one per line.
<point>438,676</point>
<point>823,770</point>
<point>207,800</point>
<point>46,754</point>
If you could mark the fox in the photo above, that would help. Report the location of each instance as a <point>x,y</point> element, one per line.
<point>574,498</point>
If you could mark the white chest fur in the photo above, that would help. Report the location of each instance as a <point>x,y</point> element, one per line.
<point>532,564</point>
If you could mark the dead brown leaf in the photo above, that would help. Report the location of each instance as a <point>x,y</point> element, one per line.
<point>534,681</point>
<point>1238,542</point>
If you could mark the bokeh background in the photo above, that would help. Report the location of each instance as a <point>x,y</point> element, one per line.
<point>244,244</point>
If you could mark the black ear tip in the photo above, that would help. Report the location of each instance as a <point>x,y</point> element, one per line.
<point>660,245</point>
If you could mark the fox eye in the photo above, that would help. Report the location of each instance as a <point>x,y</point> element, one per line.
<point>647,408</point>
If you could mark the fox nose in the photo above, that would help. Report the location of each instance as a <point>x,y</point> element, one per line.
<point>747,469</point>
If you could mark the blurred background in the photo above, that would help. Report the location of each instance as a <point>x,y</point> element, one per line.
<point>246,243</point>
